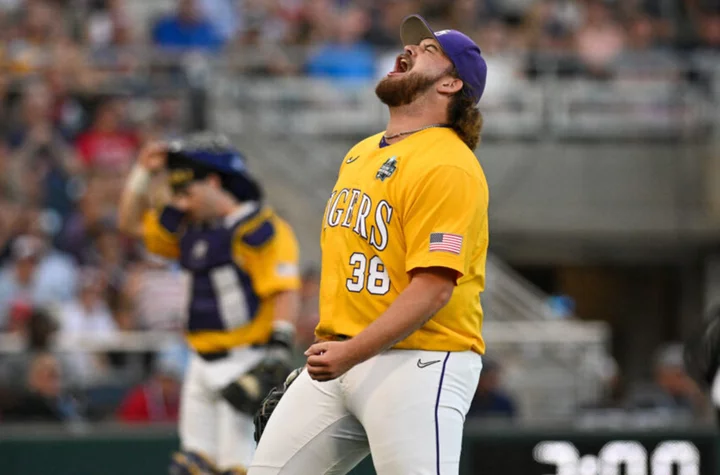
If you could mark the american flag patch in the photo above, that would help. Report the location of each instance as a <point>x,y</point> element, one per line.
<point>446,242</point>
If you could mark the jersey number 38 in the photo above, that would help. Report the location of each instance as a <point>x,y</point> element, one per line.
<point>369,274</point>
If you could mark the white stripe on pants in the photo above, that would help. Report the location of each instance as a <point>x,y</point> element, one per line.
<point>393,405</point>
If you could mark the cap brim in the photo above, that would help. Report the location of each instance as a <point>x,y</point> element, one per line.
<point>414,29</point>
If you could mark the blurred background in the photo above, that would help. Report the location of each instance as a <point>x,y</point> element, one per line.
<point>602,126</point>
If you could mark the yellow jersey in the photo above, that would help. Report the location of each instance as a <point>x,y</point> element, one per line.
<point>421,202</point>
<point>234,266</point>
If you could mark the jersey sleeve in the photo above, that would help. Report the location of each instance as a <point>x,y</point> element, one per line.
<point>159,232</point>
<point>269,253</point>
<point>441,217</point>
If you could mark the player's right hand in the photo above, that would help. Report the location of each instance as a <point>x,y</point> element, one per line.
<point>153,156</point>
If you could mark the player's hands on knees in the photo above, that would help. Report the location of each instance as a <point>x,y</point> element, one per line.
<point>153,156</point>
<point>328,360</point>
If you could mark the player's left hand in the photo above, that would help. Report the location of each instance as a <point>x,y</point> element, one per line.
<point>328,360</point>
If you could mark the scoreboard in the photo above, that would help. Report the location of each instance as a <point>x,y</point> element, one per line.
<point>593,453</point>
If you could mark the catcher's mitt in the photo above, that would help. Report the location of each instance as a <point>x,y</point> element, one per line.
<point>270,403</point>
<point>247,392</point>
<point>702,351</point>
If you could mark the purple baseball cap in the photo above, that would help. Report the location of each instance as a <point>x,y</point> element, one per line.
<point>462,51</point>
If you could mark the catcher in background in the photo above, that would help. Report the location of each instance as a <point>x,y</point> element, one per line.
<point>404,243</point>
<point>241,262</point>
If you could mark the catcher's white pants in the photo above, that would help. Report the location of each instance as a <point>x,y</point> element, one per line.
<point>208,424</point>
<point>407,407</point>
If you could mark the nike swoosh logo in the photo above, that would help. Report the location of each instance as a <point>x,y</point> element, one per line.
<point>352,159</point>
<point>420,364</point>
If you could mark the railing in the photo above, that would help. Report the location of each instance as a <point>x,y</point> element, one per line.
<point>551,332</point>
<point>636,104</point>
<point>510,296</point>
<point>548,365</point>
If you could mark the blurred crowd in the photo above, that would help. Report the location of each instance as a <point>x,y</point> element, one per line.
<point>93,41</point>
<point>84,83</point>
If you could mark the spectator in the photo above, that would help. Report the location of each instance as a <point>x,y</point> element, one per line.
<point>672,389</point>
<point>88,317</point>
<point>490,400</point>
<point>709,32</point>
<point>272,23</point>
<point>186,30</point>
<point>81,228</point>
<point>107,24</point>
<point>123,310</point>
<point>89,314</point>
<point>224,15</point>
<point>346,59</point>
<point>42,162</point>
<point>168,120</point>
<point>549,26</point>
<point>18,316</point>
<point>35,275</point>
<point>66,111</point>
<point>30,49</point>
<point>643,56</point>
<point>158,292</point>
<point>318,22</point>
<point>386,20</point>
<point>45,398</point>
<point>599,41</point>
<point>112,255</point>
<point>640,34</point>
<point>38,332</point>
<point>465,15</point>
<point>158,399</point>
<point>108,146</point>
<point>33,113</point>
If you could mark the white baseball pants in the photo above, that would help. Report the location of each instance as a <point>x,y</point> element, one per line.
<point>209,425</point>
<point>406,407</point>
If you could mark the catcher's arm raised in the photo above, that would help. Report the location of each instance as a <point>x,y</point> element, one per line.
<point>135,196</point>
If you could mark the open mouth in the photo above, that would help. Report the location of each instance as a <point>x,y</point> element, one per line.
<point>402,65</point>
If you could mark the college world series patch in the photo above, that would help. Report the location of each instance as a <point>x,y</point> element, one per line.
<point>387,169</point>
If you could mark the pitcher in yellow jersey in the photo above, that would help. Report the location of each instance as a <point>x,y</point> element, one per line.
<point>241,261</point>
<point>404,242</point>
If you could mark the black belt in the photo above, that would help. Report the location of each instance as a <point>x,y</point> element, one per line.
<point>214,356</point>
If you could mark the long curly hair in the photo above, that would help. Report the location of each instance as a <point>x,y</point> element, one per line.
<point>464,117</point>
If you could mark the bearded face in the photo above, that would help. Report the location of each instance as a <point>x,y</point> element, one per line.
<point>403,84</point>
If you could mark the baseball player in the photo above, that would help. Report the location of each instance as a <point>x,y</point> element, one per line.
<point>404,243</point>
<point>241,261</point>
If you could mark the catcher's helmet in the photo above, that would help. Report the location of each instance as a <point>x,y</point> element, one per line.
<point>202,154</point>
